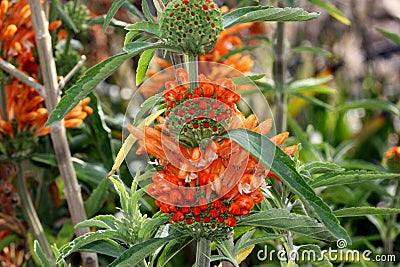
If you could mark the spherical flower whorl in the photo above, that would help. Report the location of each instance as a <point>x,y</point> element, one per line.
<point>191,25</point>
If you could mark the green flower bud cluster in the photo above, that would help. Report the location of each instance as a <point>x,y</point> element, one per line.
<point>78,14</point>
<point>191,25</point>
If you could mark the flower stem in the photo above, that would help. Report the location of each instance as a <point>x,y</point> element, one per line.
<point>279,78</point>
<point>203,252</point>
<point>388,241</point>
<point>192,66</point>
<point>30,214</point>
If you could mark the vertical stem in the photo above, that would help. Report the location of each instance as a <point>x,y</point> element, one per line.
<point>387,240</point>
<point>279,78</point>
<point>192,65</point>
<point>177,59</point>
<point>203,252</point>
<point>289,234</point>
<point>3,102</point>
<point>57,129</point>
<point>30,214</point>
<point>67,43</point>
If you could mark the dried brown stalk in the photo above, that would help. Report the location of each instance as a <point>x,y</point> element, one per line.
<point>12,70</point>
<point>57,129</point>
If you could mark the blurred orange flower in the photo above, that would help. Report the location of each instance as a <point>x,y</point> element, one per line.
<point>25,107</point>
<point>391,159</point>
<point>24,114</point>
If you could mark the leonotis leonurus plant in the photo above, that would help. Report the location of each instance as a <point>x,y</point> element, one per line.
<point>204,181</point>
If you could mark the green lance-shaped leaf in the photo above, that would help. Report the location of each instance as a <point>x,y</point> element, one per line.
<point>390,35</point>
<point>140,251</point>
<point>284,220</point>
<point>144,26</point>
<point>95,75</point>
<point>100,134</point>
<point>332,10</point>
<point>111,12</point>
<point>106,247</point>
<point>266,13</point>
<point>374,104</point>
<point>315,85</point>
<point>313,253</point>
<point>117,4</point>
<point>321,167</point>
<point>350,177</point>
<point>364,211</point>
<point>86,239</point>
<point>283,166</point>
<point>148,105</point>
<point>247,79</point>
<point>146,11</point>
<point>313,100</point>
<point>89,172</point>
<point>100,221</point>
<point>248,240</point>
<point>171,249</point>
<point>143,65</point>
<point>40,254</point>
<point>122,192</point>
<point>96,200</point>
<point>147,230</point>
<point>65,234</point>
<point>100,20</point>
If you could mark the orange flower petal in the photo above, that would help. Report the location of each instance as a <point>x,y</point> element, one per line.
<point>55,25</point>
<point>280,138</point>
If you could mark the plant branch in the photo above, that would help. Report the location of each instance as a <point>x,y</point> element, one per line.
<point>70,74</point>
<point>12,70</point>
<point>57,129</point>
<point>30,214</point>
<point>279,78</point>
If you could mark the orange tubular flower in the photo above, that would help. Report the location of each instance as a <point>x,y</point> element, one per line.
<point>26,116</point>
<point>205,180</point>
<point>228,41</point>
<point>23,118</point>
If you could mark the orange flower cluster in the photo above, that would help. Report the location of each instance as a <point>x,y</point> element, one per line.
<point>393,153</point>
<point>26,107</point>
<point>23,114</point>
<point>17,36</point>
<point>206,184</point>
<point>392,159</point>
<point>229,40</point>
